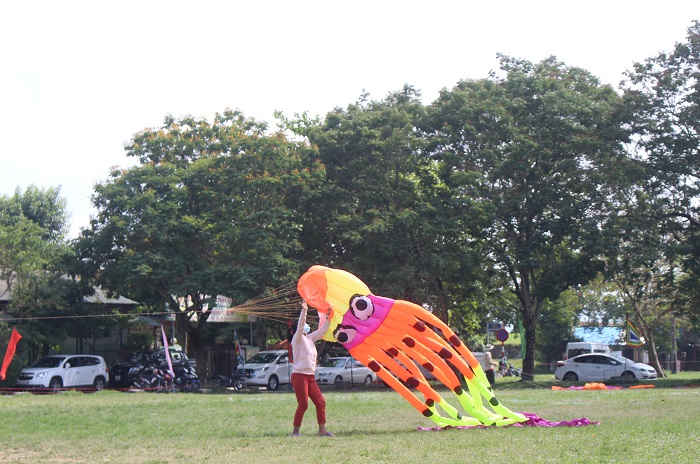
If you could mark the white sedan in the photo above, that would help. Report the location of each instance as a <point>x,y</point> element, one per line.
<point>598,367</point>
<point>344,369</point>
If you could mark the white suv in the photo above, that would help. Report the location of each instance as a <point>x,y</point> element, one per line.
<point>64,371</point>
<point>267,369</point>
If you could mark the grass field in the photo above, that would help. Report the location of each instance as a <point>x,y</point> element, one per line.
<point>371,425</point>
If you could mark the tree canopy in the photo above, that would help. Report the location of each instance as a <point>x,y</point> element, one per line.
<point>210,209</point>
<point>35,266</point>
<point>531,154</point>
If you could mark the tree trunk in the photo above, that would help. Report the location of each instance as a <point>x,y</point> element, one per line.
<point>654,356</point>
<point>529,311</point>
<point>530,327</point>
<point>441,306</point>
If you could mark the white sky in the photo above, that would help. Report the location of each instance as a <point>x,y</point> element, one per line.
<point>79,78</point>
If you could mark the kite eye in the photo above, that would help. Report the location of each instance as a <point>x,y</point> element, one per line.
<point>345,333</point>
<point>362,307</point>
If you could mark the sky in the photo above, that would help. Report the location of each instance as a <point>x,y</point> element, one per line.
<point>79,78</point>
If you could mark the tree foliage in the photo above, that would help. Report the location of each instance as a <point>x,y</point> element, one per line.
<point>383,214</point>
<point>529,155</point>
<point>663,98</point>
<point>657,266</point>
<point>555,325</point>
<point>35,264</point>
<point>210,209</point>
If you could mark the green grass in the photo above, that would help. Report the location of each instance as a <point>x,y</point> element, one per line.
<point>375,425</point>
<point>682,379</point>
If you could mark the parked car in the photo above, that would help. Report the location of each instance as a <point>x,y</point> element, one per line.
<point>65,371</point>
<point>267,369</point>
<point>598,367</point>
<point>344,369</point>
<point>123,375</point>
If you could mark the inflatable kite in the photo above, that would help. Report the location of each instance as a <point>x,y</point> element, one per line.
<point>394,337</point>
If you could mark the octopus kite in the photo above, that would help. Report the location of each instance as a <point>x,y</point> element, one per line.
<point>394,337</point>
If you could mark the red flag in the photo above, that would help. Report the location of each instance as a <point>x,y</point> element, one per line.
<point>10,353</point>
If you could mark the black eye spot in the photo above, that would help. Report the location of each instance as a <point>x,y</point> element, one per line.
<point>345,333</point>
<point>361,307</point>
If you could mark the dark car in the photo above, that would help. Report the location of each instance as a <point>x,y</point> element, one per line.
<point>122,375</point>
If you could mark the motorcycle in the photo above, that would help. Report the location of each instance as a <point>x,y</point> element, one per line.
<point>507,369</point>
<point>234,380</point>
<point>512,371</point>
<point>161,380</point>
<point>186,379</point>
<point>142,380</point>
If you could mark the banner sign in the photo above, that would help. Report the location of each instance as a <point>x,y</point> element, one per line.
<point>222,312</point>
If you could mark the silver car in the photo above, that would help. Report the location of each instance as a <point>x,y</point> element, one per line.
<point>598,367</point>
<point>344,369</point>
<point>65,371</point>
<point>267,369</point>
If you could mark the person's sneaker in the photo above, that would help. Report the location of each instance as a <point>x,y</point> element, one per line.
<point>327,434</point>
<point>297,434</point>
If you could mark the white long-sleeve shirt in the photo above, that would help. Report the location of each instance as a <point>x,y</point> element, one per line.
<point>304,347</point>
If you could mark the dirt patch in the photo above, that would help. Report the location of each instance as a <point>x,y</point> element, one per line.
<point>17,455</point>
<point>22,455</point>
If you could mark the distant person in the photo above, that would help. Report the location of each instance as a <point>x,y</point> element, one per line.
<point>303,373</point>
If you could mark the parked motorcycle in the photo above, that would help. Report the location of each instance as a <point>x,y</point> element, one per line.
<point>512,371</point>
<point>186,379</point>
<point>507,370</point>
<point>161,380</point>
<point>233,380</point>
<point>142,378</point>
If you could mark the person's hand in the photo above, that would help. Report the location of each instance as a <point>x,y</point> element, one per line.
<point>304,306</point>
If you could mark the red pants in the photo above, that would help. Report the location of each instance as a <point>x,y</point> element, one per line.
<point>305,387</point>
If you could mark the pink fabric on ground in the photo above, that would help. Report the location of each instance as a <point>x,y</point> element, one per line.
<point>532,421</point>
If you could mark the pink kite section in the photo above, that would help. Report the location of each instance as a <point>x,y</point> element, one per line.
<point>532,421</point>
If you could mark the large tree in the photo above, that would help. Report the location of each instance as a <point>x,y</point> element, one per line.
<point>35,262</point>
<point>663,97</point>
<point>210,209</point>
<point>382,213</point>
<point>529,152</point>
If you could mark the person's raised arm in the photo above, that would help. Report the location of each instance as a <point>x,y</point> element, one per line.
<point>302,321</point>
<point>325,324</point>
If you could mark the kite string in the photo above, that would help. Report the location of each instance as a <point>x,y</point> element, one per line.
<point>280,304</point>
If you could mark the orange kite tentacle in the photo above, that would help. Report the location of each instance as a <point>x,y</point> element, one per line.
<point>362,354</point>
